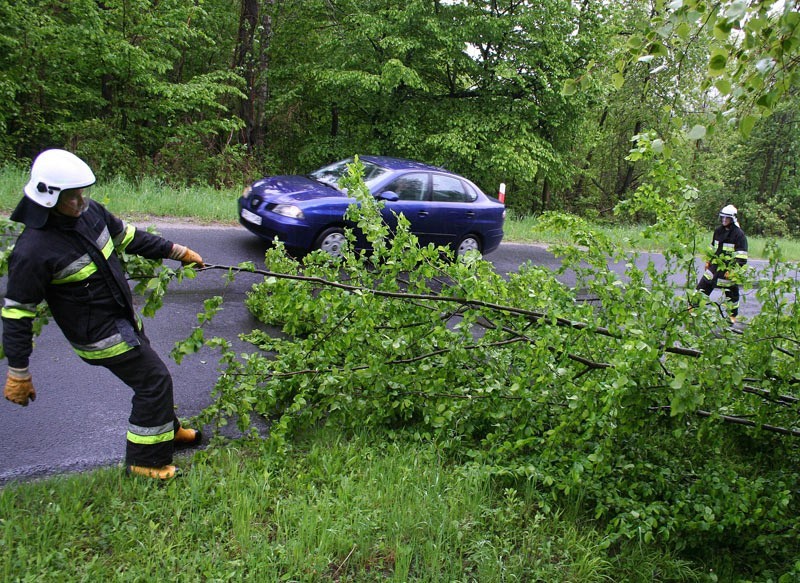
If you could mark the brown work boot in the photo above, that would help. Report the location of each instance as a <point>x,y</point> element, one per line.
<point>162,473</point>
<point>188,437</point>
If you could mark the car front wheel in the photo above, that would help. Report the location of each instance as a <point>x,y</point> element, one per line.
<point>468,243</point>
<point>332,241</point>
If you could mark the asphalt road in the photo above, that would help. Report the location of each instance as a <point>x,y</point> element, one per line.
<point>79,418</point>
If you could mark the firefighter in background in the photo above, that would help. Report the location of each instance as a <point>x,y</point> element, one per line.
<point>728,253</point>
<point>67,255</point>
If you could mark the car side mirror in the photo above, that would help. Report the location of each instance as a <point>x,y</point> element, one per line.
<point>389,195</point>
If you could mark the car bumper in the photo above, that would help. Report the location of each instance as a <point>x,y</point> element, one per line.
<point>292,232</point>
<point>492,240</point>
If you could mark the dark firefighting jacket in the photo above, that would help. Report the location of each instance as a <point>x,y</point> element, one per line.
<point>72,264</point>
<point>728,248</point>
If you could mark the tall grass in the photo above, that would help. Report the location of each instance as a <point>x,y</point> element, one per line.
<point>144,198</point>
<point>531,230</point>
<point>335,509</point>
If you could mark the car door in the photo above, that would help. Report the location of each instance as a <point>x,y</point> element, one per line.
<point>412,188</point>
<point>440,207</point>
<point>452,209</point>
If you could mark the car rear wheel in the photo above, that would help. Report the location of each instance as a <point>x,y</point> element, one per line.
<point>332,241</point>
<point>468,243</point>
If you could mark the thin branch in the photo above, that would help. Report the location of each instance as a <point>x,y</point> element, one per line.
<point>787,400</point>
<point>410,360</point>
<point>792,340</point>
<point>534,316</point>
<point>517,337</point>
<point>339,568</point>
<point>430,297</point>
<point>330,332</point>
<point>738,421</point>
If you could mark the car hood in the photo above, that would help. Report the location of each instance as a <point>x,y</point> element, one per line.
<point>289,189</point>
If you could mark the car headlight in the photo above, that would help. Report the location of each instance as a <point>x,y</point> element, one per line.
<point>288,210</point>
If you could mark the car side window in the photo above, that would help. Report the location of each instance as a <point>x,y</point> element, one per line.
<point>449,189</point>
<point>472,193</point>
<point>410,186</point>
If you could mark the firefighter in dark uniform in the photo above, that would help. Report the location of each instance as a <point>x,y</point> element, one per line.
<point>728,252</point>
<point>67,255</point>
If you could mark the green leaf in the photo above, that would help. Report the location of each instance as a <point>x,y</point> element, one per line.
<point>717,62</point>
<point>746,125</point>
<point>736,10</point>
<point>659,50</point>
<point>723,85</point>
<point>698,132</point>
<point>683,30</point>
<point>569,88</point>
<point>722,30</point>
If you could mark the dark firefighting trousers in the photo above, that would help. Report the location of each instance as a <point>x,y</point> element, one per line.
<point>711,279</point>
<point>153,423</point>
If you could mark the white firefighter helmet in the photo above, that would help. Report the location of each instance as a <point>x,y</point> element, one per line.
<point>54,171</point>
<point>728,211</point>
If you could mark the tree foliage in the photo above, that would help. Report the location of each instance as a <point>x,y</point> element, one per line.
<point>715,72</point>
<point>473,86</point>
<point>543,96</point>
<point>114,81</point>
<point>659,422</point>
<point>199,92</point>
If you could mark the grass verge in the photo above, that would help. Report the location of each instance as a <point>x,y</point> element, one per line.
<point>334,509</point>
<point>530,230</point>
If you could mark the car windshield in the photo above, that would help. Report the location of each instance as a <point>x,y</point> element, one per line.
<point>331,174</point>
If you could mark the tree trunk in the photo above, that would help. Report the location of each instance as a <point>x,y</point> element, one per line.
<point>546,195</point>
<point>251,57</point>
<point>579,186</point>
<point>765,172</point>
<point>628,179</point>
<point>778,178</point>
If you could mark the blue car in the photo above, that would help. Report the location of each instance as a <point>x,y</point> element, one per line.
<point>307,212</point>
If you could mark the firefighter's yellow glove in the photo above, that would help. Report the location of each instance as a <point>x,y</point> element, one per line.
<point>186,255</point>
<point>19,386</point>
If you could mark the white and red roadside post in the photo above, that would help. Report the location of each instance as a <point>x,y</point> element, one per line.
<point>501,193</point>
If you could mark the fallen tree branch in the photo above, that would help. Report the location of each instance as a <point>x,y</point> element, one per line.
<point>738,421</point>
<point>531,314</point>
<point>787,400</point>
<point>410,360</point>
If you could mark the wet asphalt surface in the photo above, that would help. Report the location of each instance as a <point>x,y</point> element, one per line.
<point>79,418</point>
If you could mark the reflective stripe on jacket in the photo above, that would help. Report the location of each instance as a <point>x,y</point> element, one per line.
<point>729,245</point>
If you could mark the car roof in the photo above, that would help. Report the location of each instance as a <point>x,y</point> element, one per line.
<point>391,163</point>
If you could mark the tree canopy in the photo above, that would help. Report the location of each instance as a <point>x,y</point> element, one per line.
<point>543,96</point>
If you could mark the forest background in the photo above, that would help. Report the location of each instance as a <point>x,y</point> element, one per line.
<point>543,96</point>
